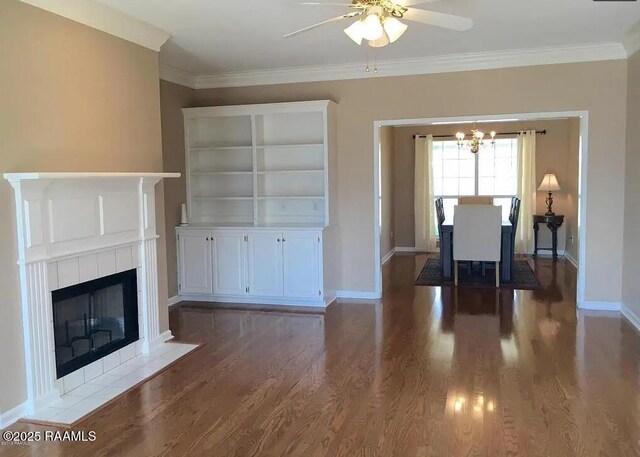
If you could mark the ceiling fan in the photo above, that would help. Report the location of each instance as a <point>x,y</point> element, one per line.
<point>378,21</point>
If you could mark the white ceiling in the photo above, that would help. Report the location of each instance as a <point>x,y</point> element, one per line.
<point>213,37</point>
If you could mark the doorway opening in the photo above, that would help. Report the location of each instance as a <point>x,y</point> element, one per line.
<point>563,151</point>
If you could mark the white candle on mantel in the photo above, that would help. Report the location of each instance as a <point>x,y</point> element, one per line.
<point>183,217</point>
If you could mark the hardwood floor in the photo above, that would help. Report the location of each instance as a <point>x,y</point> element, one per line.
<point>425,372</point>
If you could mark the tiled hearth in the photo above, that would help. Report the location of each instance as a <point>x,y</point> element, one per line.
<point>88,397</point>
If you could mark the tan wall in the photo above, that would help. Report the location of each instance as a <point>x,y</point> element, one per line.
<point>387,207</point>
<point>553,154</point>
<point>599,87</point>
<point>73,99</point>
<point>172,99</point>
<point>631,271</point>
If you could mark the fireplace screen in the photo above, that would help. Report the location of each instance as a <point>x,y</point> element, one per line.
<point>94,319</point>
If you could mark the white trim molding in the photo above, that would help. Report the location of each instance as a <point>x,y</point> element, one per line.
<point>591,305</point>
<point>106,19</point>
<point>357,295</point>
<point>632,40</point>
<point>408,249</point>
<point>177,76</point>
<point>631,316</point>
<point>404,67</point>
<point>255,300</point>
<point>571,259</point>
<point>388,256</point>
<point>13,415</point>
<point>172,301</point>
<point>160,340</point>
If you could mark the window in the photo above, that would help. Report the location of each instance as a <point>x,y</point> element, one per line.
<point>491,172</point>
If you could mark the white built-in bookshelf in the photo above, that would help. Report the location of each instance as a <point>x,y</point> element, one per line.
<point>258,165</point>
<point>259,191</point>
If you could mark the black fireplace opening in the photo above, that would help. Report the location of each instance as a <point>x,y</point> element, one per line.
<point>93,319</point>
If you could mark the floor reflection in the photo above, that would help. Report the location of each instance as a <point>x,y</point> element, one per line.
<point>457,301</point>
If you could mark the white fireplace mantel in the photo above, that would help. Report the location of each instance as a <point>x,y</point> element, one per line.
<point>32,176</point>
<point>74,227</point>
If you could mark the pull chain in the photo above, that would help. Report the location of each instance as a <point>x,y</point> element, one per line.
<point>367,57</point>
<point>375,61</point>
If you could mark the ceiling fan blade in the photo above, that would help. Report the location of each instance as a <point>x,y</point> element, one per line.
<point>407,3</point>
<point>447,21</point>
<point>314,26</point>
<point>345,5</point>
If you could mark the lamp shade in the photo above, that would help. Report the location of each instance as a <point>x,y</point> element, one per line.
<point>380,42</point>
<point>549,183</point>
<point>372,29</point>
<point>355,32</point>
<point>394,28</point>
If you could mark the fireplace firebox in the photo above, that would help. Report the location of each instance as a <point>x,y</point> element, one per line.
<point>93,319</point>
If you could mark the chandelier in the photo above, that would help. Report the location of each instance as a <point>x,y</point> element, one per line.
<point>475,142</point>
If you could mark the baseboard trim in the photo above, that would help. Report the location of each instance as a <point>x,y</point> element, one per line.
<point>257,300</point>
<point>407,249</point>
<point>161,339</point>
<point>357,295</point>
<point>174,300</point>
<point>571,259</point>
<point>631,316</point>
<point>590,305</point>
<point>13,415</point>
<point>547,253</point>
<point>388,257</point>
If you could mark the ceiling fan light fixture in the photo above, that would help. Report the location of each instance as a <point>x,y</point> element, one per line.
<point>355,32</point>
<point>380,42</point>
<point>394,28</point>
<point>372,29</point>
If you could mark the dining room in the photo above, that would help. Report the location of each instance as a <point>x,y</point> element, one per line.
<point>510,186</point>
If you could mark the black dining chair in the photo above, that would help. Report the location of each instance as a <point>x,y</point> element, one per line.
<point>439,203</point>
<point>514,218</point>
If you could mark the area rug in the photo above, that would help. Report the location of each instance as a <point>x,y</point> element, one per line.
<point>523,276</point>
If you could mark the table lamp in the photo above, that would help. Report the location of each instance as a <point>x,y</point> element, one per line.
<point>549,184</point>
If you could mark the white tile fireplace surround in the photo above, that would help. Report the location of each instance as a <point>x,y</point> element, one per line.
<point>73,228</point>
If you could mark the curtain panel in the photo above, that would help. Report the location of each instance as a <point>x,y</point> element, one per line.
<point>526,191</point>
<point>424,207</point>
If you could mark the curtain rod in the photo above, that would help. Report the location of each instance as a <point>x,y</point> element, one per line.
<point>538,132</point>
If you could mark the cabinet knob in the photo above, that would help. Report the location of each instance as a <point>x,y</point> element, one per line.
<point>278,240</point>
<point>284,239</point>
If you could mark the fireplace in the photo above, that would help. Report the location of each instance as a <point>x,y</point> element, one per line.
<point>93,319</point>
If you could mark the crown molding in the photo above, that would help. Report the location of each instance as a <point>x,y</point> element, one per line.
<point>632,40</point>
<point>419,66</point>
<point>177,76</point>
<point>105,19</point>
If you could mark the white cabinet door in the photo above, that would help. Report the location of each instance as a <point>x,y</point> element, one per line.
<point>265,263</point>
<point>229,263</point>
<point>195,263</point>
<point>301,259</point>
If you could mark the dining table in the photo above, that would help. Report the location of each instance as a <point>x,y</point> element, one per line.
<point>506,251</point>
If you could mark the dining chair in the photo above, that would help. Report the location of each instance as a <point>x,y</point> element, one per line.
<point>477,230</point>
<point>514,218</point>
<point>475,201</point>
<point>439,204</point>
<point>514,214</point>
